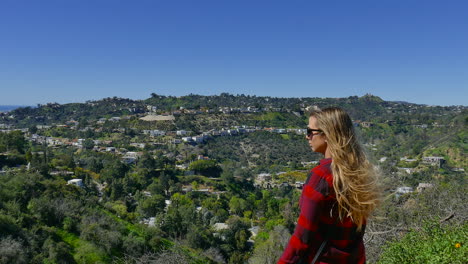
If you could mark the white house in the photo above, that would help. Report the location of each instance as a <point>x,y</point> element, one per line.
<point>198,139</point>
<point>220,226</point>
<point>264,177</point>
<point>423,186</point>
<point>406,159</point>
<point>254,230</point>
<point>299,184</point>
<point>383,159</point>
<point>154,133</point>
<point>407,170</point>
<point>138,145</point>
<point>403,190</point>
<point>131,157</point>
<point>181,132</point>
<point>187,139</point>
<point>110,149</point>
<point>77,182</point>
<point>434,161</point>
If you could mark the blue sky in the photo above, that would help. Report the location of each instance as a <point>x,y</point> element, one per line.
<point>76,50</point>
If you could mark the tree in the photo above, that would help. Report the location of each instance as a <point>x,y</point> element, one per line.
<point>151,206</point>
<point>198,237</point>
<point>57,252</point>
<point>13,141</point>
<point>12,251</point>
<point>206,167</point>
<point>269,251</point>
<point>114,170</point>
<point>167,180</point>
<point>88,144</point>
<point>33,129</point>
<point>237,205</point>
<point>237,234</point>
<point>147,161</point>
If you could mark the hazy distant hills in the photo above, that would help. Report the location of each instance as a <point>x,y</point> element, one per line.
<point>6,108</point>
<point>258,110</point>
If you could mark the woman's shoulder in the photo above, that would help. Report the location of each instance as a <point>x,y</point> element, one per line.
<point>320,178</point>
<point>324,168</point>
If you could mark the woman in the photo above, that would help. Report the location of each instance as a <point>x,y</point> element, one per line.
<point>338,196</point>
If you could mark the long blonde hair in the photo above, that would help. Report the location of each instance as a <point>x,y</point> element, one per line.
<point>354,177</point>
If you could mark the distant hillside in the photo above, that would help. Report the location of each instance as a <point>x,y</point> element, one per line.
<point>6,108</point>
<point>365,108</point>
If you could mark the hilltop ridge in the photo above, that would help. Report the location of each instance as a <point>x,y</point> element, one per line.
<point>367,107</point>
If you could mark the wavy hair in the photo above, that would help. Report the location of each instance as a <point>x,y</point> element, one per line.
<point>354,177</point>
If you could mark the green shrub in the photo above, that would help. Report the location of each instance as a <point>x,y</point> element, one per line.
<point>433,244</point>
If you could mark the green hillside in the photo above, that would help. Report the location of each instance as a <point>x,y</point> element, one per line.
<point>216,179</point>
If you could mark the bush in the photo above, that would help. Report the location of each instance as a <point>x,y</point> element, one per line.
<point>206,167</point>
<point>12,251</point>
<point>433,244</point>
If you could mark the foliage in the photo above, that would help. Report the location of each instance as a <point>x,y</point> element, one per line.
<point>434,243</point>
<point>208,168</point>
<point>269,250</point>
<point>12,141</point>
<point>44,220</point>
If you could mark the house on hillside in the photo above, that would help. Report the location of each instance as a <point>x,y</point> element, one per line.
<point>151,222</point>
<point>433,161</point>
<point>299,184</point>
<point>198,139</point>
<point>176,141</point>
<point>110,149</point>
<point>62,173</point>
<point>152,108</point>
<point>263,180</point>
<point>367,124</point>
<point>232,132</point>
<point>406,170</point>
<point>201,157</point>
<point>154,133</point>
<point>181,132</point>
<point>225,110</point>
<point>279,130</point>
<point>423,186</point>
<point>138,145</point>
<point>131,157</point>
<point>254,231</point>
<point>76,182</point>
<point>406,159</point>
<point>264,177</point>
<point>101,121</point>
<point>403,190</point>
<point>309,163</point>
<point>187,139</point>
<point>220,226</point>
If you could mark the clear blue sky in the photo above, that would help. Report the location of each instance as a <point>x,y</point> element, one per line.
<point>76,50</point>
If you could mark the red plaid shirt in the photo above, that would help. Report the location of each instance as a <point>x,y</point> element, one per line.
<point>318,220</point>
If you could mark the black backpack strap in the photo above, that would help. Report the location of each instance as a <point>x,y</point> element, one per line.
<point>319,251</point>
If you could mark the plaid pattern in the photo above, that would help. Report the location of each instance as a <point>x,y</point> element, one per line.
<point>319,219</point>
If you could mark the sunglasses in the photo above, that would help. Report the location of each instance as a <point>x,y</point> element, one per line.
<point>310,132</point>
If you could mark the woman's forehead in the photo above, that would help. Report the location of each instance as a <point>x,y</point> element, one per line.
<point>312,122</point>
